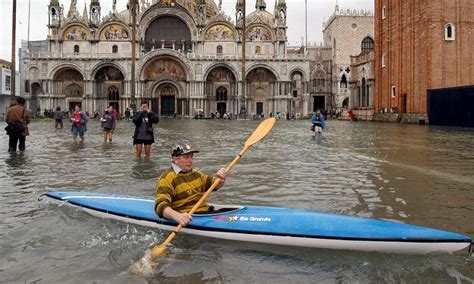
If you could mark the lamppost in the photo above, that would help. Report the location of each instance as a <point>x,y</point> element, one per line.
<point>243,111</point>
<point>133,38</point>
<point>13,61</point>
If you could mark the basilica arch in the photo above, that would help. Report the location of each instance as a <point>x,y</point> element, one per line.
<point>68,82</point>
<point>261,87</point>
<point>165,80</point>
<point>221,90</point>
<point>168,32</point>
<point>108,87</point>
<point>166,99</point>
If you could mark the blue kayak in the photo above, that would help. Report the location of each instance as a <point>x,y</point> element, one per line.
<point>276,225</point>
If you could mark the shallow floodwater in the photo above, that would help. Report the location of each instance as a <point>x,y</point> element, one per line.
<point>420,175</point>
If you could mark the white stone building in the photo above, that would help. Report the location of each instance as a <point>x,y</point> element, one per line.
<point>6,85</point>
<point>349,33</point>
<point>189,58</point>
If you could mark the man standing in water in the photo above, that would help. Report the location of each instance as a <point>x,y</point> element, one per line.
<point>18,119</point>
<point>144,135</point>
<point>181,186</point>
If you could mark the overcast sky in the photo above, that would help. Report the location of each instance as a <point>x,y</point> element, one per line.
<point>318,12</point>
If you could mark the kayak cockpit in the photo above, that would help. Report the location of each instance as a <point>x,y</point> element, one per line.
<point>220,209</point>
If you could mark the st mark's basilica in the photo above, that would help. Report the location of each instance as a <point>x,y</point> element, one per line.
<point>188,59</point>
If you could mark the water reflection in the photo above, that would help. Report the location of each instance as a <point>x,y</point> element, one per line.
<point>16,160</point>
<point>145,169</point>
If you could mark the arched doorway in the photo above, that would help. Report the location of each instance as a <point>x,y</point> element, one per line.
<point>345,103</point>
<point>221,100</point>
<point>166,102</point>
<point>319,102</point>
<point>221,87</point>
<point>261,84</point>
<point>70,83</point>
<point>169,74</point>
<point>108,88</point>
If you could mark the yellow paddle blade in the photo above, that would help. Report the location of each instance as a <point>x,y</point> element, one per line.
<point>158,251</point>
<point>148,262</point>
<point>261,131</point>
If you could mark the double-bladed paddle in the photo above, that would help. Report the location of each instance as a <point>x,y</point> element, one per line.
<point>151,255</point>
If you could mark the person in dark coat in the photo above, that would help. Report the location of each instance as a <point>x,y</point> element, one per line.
<point>144,134</point>
<point>19,115</point>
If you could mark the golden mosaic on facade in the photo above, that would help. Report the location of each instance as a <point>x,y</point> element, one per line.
<point>259,33</point>
<point>114,32</point>
<point>219,32</point>
<point>76,32</point>
<point>164,68</point>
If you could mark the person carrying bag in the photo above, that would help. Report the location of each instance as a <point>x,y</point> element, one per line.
<point>18,119</point>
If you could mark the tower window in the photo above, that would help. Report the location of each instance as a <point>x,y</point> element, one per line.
<point>383,12</point>
<point>219,49</point>
<point>383,60</point>
<point>449,32</point>
<point>114,49</point>
<point>367,44</point>
<point>76,49</point>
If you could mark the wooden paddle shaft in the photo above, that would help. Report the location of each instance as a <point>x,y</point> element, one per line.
<point>204,197</point>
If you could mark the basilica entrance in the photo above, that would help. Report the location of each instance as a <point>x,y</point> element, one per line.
<point>259,108</point>
<point>165,100</point>
<point>72,105</point>
<point>221,100</point>
<point>319,103</point>
<point>167,105</point>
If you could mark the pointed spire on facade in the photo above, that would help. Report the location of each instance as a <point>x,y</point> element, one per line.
<point>260,5</point>
<point>72,9</point>
<point>220,5</point>
<point>54,3</point>
<point>85,18</point>
<point>337,6</point>
<point>95,2</point>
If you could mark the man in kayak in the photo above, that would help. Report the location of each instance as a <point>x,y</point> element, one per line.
<point>180,187</point>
